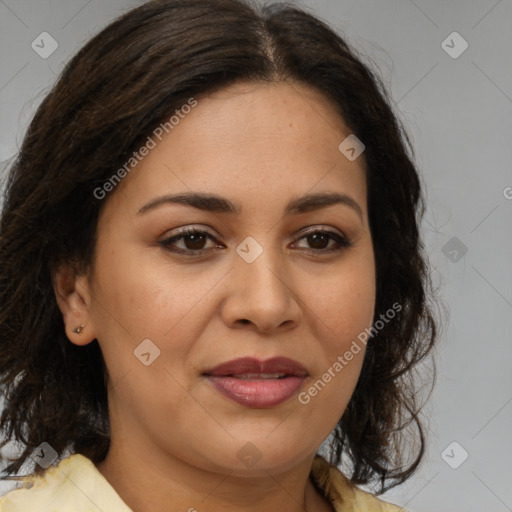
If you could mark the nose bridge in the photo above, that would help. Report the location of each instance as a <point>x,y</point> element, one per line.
<point>261,276</point>
<point>261,292</point>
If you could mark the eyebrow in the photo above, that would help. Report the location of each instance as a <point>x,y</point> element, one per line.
<point>218,204</point>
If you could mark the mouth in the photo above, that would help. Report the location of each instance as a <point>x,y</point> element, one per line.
<point>258,384</point>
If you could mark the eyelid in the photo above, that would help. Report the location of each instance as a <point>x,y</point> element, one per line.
<point>200,228</point>
<point>181,232</point>
<point>189,228</point>
<point>321,228</point>
<point>341,241</point>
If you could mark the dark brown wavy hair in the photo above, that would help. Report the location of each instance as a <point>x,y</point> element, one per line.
<point>118,88</point>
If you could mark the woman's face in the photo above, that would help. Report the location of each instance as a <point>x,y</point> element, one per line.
<point>278,270</point>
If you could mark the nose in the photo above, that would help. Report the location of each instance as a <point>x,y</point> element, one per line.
<point>260,296</point>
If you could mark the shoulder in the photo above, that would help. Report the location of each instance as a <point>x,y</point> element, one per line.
<point>344,495</point>
<point>74,484</point>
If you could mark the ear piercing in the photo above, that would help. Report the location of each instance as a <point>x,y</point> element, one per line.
<point>79,329</point>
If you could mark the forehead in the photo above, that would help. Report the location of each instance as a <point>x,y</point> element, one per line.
<point>252,137</point>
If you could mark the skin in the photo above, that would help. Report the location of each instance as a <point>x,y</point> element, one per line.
<point>175,438</point>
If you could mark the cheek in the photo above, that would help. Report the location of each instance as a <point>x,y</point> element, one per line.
<point>134,300</point>
<point>339,354</point>
<point>143,296</point>
<point>345,301</point>
<point>343,311</point>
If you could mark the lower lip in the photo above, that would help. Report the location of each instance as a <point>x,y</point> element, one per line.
<point>257,393</point>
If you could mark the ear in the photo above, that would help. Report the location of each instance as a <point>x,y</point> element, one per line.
<point>72,292</point>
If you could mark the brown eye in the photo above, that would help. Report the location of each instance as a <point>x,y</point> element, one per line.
<point>190,242</point>
<point>195,241</point>
<point>324,241</point>
<point>318,240</point>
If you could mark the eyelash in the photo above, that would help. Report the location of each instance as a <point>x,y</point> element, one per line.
<point>341,241</point>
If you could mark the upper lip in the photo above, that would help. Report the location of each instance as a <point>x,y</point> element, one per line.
<point>244,365</point>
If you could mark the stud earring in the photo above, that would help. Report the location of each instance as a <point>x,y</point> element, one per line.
<point>79,329</point>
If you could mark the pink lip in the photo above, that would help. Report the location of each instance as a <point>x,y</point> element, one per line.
<point>258,391</point>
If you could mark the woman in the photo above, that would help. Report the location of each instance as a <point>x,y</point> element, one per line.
<point>210,263</point>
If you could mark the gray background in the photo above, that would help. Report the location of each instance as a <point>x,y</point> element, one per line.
<point>459,113</point>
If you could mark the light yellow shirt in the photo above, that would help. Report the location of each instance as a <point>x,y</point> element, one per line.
<point>75,485</point>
